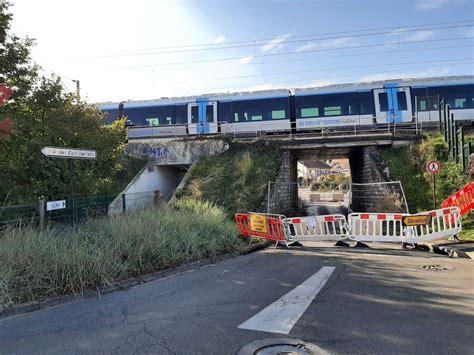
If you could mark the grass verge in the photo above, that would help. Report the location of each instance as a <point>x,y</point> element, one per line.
<point>36,265</point>
<point>467,230</point>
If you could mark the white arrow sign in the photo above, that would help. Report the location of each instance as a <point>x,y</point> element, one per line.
<point>69,153</point>
<point>55,205</point>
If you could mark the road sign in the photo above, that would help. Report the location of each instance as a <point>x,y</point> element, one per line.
<point>421,220</point>
<point>258,223</point>
<point>69,153</point>
<point>433,167</point>
<point>55,205</point>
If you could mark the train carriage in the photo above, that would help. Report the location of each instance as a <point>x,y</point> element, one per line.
<point>338,107</point>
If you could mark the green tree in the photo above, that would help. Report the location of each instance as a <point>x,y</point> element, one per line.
<point>43,114</point>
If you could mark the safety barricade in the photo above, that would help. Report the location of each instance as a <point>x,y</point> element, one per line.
<point>463,198</point>
<point>444,223</point>
<point>375,227</point>
<point>266,226</point>
<point>330,227</point>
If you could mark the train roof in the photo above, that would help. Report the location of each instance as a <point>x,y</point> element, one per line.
<point>335,88</point>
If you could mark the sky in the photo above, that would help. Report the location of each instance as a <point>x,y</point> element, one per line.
<point>147,49</point>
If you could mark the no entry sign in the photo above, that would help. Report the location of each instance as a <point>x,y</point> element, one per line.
<point>433,167</point>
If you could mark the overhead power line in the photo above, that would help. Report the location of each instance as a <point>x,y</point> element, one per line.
<point>280,42</point>
<point>295,53</point>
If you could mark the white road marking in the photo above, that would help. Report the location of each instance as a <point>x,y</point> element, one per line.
<point>282,315</point>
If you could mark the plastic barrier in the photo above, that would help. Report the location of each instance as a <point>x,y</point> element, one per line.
<point>445,222</point>
<point>464,199</point>
<point>260,225</point>
<point>372,227</point>
<point>330,227</point>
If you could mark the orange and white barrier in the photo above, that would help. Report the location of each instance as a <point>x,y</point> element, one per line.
<point>332,227</point>
<point>445,222</point>
<point>260,225</point>
<point>376,227</point>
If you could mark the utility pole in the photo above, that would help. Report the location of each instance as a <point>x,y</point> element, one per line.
<point>78,90</point>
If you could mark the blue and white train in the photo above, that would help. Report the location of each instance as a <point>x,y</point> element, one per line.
<point>299,110</point>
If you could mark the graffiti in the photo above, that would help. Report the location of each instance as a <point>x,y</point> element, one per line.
<point>154,152</point>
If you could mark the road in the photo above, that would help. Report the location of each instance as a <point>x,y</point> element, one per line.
<point>373,301</point>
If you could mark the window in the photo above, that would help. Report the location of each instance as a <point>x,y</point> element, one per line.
<point>310,112</point>
<point>209,113</point>
<point>194,114</point>
<point>460,103</point>
<point>383,101</point>
<point>160,115</point>
<point>366,103</point>
<point>258,110</point>
<point>402,100</point>
<point>351,104</point>
<point>224,111</point>
<point>181,114</point>
<point>308,106</point>
<point>278,114</point>
<point>153,121</point>
<point>332,105</point>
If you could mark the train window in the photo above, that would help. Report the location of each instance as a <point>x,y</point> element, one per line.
<point>209,113</point>
<point>402,100</point>
<point>351,104</point>
<point>224,111</point>
<point>383,101</point>
<point>460,103</point>
<point>194,114</point>
<point>366,103</point>
<point>332,105</point>
<point>310,112</point>
<point>153,121</point>
<point>278,114</point>
<point>181,114</point>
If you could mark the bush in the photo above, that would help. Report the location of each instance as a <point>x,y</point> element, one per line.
<point>39,264</point>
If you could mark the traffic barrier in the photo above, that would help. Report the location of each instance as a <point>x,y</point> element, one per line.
<point>463,198</point>
<point>259,225</point>
<point>329,227</point>
<point>445,222</point>
<point>373,227</point>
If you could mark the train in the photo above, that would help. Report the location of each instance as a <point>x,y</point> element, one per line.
<point>342,106</point>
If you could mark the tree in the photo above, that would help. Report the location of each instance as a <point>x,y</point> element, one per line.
<point>40,113</point>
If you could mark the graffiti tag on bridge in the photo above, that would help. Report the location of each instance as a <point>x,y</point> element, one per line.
<point>154,152</point>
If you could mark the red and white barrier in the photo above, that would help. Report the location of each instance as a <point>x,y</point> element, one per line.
<point>361,227</point>
<point>464,199</point>
<point>376,227</point>
<point>445,222</point>
<point>331,227</point>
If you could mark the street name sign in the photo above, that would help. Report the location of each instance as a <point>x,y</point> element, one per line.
<point>258,223</point>
<point>55,205</point>
<point>69,153</point>
<point>421,220</point>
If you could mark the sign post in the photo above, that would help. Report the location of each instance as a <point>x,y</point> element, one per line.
<point>433,167</point>
<point>68,153</point>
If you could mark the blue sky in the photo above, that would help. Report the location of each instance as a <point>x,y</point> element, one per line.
<point>123,50</point>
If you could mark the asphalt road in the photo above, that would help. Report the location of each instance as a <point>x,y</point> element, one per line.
<point>375,301</point>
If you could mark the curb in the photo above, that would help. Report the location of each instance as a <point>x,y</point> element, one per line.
<point>126,284</point>
<point>453,249</point>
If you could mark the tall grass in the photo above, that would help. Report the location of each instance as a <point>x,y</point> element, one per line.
<point>39,264</point>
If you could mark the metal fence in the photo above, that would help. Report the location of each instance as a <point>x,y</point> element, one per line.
<point>80,209</point>
<point>378,197</point>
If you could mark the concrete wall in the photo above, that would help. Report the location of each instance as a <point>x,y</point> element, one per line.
<point>152,185</point>
<point>171,152</point>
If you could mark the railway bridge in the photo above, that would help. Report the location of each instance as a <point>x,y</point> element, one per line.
<point>168,159</point>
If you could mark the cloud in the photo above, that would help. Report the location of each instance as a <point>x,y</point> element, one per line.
<point>219,39</point>
<point>420,36</point>
<point>332,43</point>
<point>247,59</point>
<point>274,44</point>
<point>427,5</point>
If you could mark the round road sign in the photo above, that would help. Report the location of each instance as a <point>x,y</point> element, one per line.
<point>433,166</point>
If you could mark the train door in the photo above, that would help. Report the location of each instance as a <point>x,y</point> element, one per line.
<point>393,104</point>
<point>202,117</point>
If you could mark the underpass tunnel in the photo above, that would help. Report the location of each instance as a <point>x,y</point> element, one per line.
<point>323,181</point>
